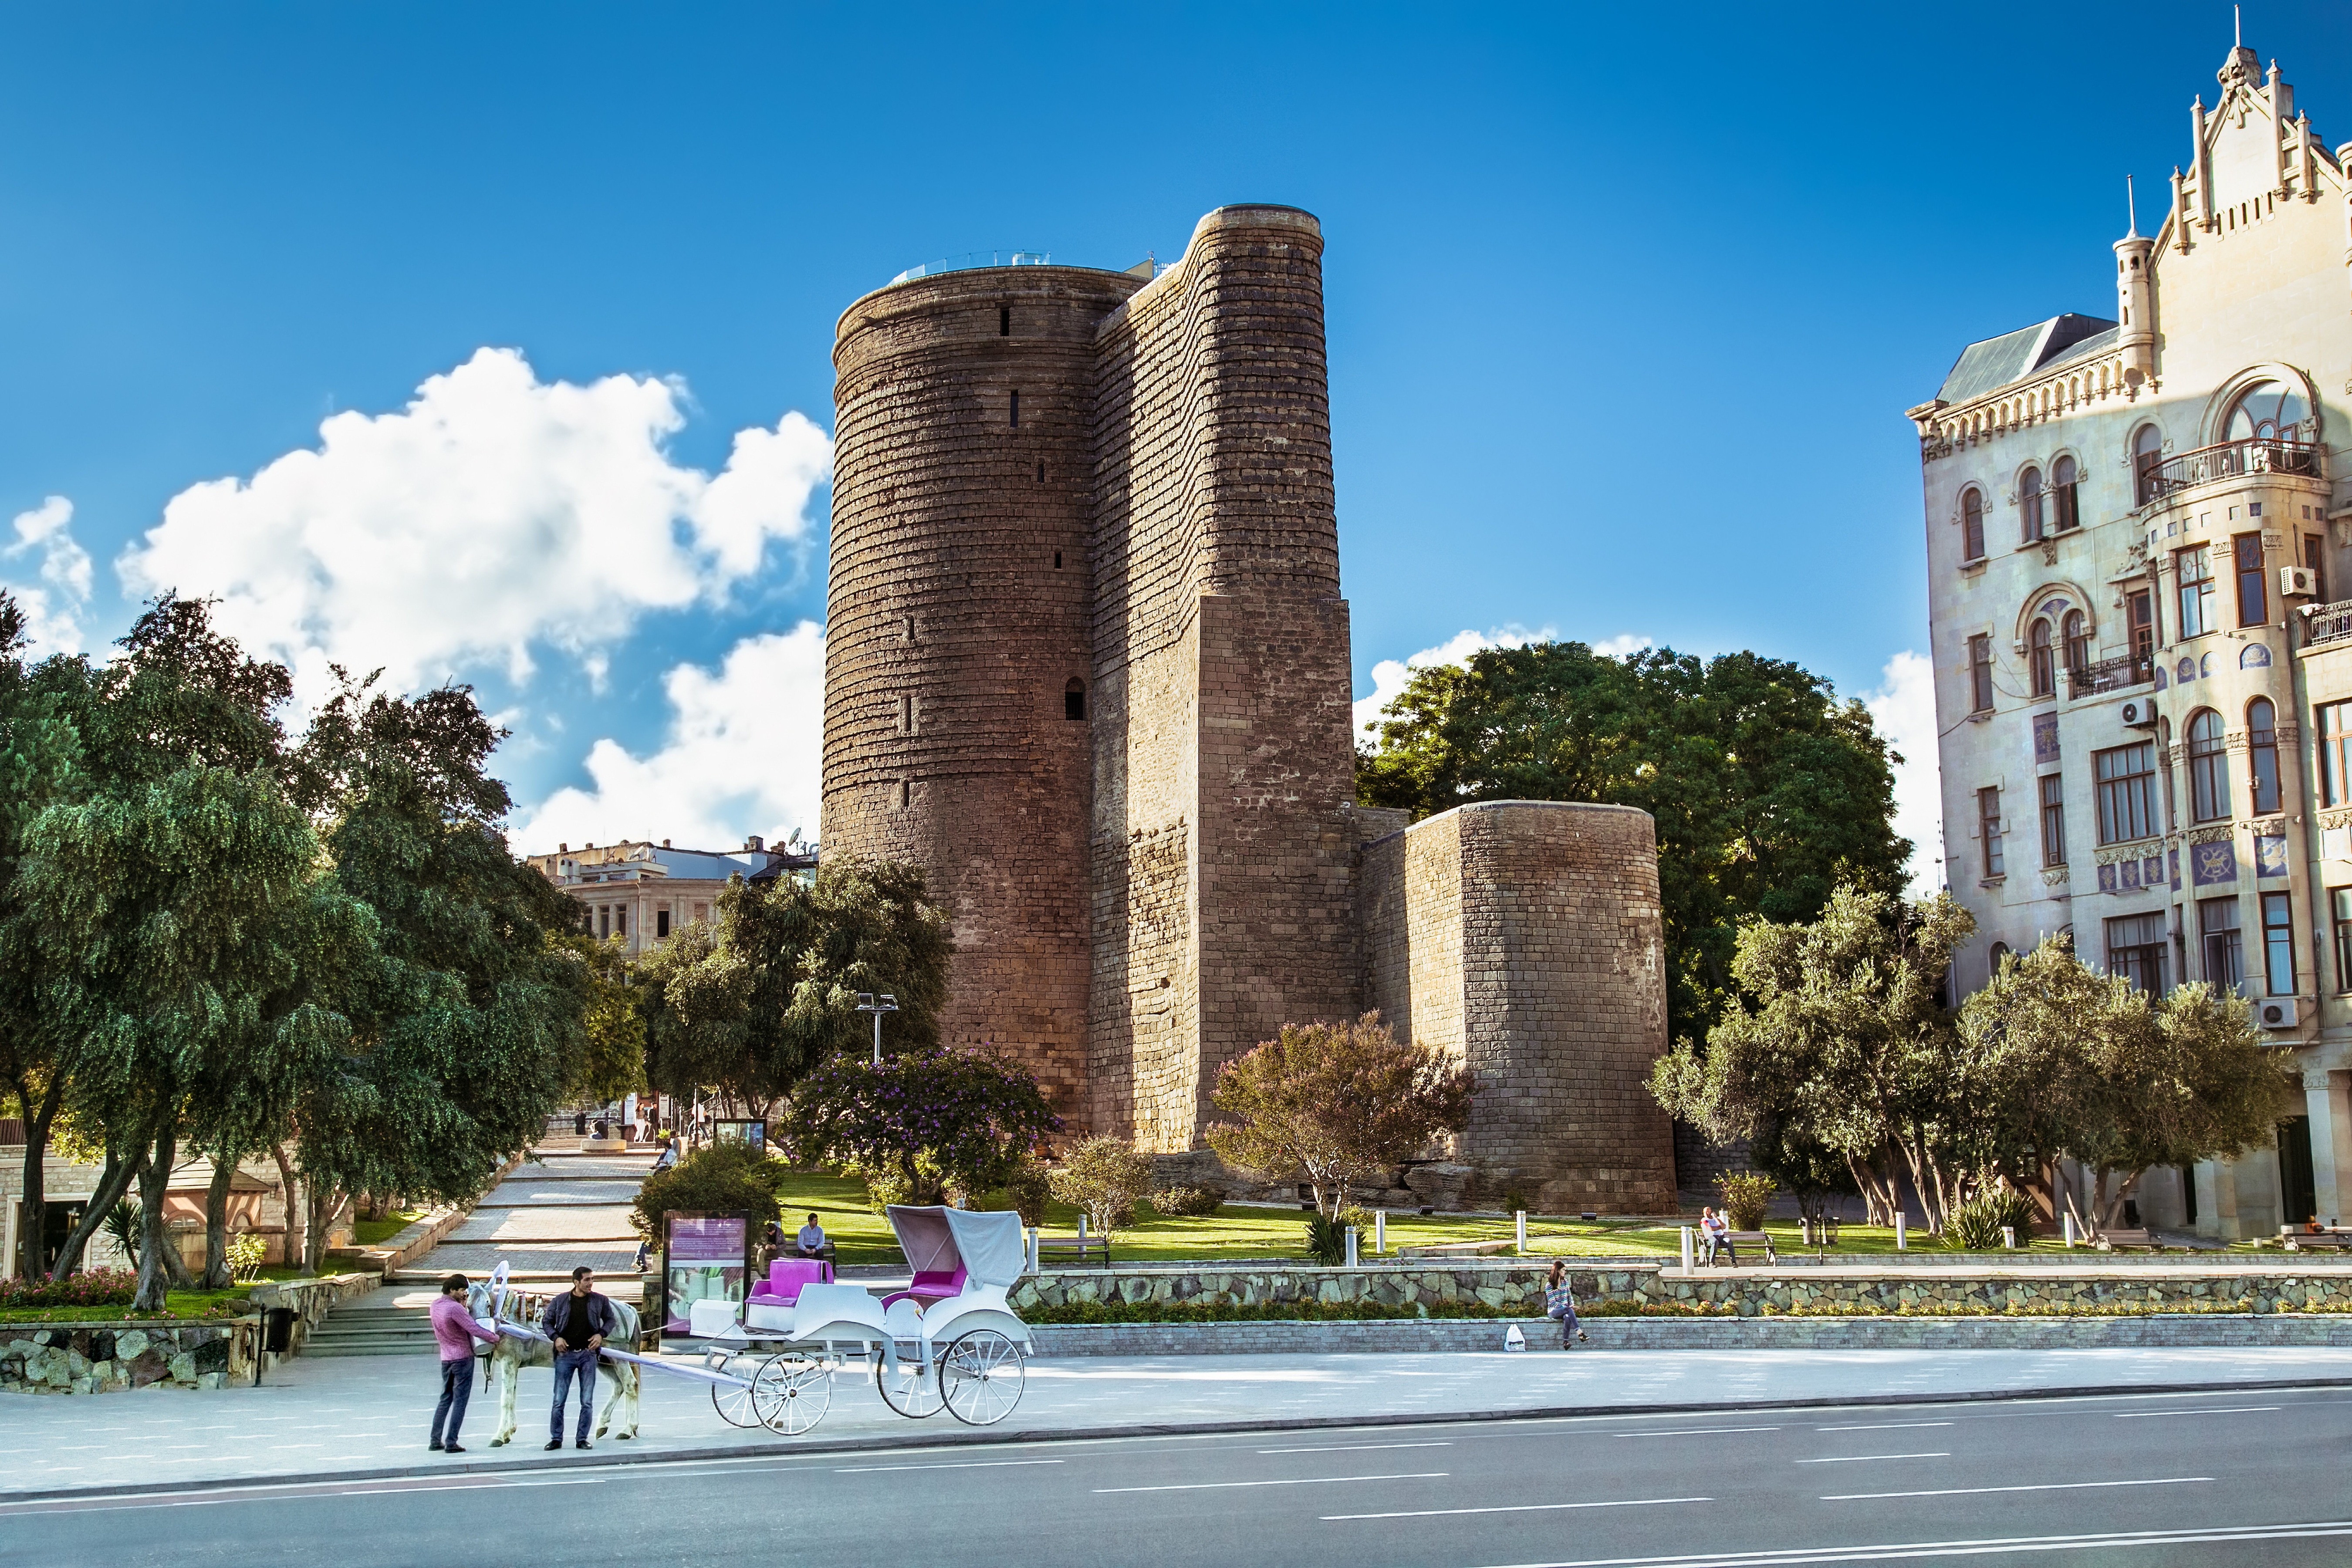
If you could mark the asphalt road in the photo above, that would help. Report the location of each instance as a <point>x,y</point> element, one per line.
<point>2138,1480</point>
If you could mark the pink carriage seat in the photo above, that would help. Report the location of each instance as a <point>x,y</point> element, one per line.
<point>787,1275</point>
<point>927,1286</point>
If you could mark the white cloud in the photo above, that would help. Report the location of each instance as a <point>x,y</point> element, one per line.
<point>493,515</point>
<point>740,757</point>
<point>1623,644</point>
<point>1903,709</point>
<point>53,608</point>
<point>1390,675</point>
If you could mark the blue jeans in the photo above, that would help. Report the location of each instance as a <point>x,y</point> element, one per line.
<point>457,1387</point>
<point>570,1364</point>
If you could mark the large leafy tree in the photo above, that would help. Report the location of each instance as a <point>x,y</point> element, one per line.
<point>928,1119</point>
<point>1767,790</point>
<point>752,1003</point>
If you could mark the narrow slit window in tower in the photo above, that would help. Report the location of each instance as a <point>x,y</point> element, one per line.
<point>1016,408</point>
<point>1057,561</point>
<point>1005,320</point>
<point>1041,473</point>
<point>1074,699</point>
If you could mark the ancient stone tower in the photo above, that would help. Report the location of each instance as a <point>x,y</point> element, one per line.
<point>1087,661</point>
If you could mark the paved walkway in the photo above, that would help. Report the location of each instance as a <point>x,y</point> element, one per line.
<point>330,1417</point>
<point>557,1210</point>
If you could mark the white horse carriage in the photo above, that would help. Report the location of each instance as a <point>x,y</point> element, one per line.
<point>948,1341</point>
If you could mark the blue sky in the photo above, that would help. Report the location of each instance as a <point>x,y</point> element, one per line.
<point>1624,308</point>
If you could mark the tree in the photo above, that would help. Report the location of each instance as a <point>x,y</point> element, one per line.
<point>1333,1101</point>
<point>1767,791</point>
<point>2087,1066</point>
<point>726,1178</point>
<point>929,1119</point>
<point>752,1003</point>
<point>1106,1177</point>
<point>615,1062</point>
<point>1845,1045</point>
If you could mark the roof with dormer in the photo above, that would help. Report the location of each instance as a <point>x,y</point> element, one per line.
<point>1994,362</point>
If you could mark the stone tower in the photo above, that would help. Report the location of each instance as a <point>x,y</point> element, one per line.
<point>1087,663</point>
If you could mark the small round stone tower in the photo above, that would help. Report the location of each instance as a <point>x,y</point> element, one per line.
<point>957,700</point>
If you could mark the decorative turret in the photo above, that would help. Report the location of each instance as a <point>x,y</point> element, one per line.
<point>2135,297</point>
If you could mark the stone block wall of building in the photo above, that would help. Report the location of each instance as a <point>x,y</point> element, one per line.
<point>1525,937</point>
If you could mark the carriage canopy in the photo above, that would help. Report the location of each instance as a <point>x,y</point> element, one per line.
<point>987,1244</point>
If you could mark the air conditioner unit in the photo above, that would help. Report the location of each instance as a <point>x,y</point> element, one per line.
<point>2298,582</point>
<point>2277,1011</point>
<point>2139,713</point>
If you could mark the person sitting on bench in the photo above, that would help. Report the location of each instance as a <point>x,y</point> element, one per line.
<point>812,1242</point>
<point>1715,1236</point>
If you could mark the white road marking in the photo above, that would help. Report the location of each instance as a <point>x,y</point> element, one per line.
<point>1301,1481</point>
<point>959,1464</point>
<point>1884,1426</point>
<point>2038,1487</point>
<point>1338,1448</point>
<point>1695,1432</point>
<point>2225,1410</point>
<point>1516,1507</point>
<point>1887,1551</point>
<point>1866,1459</point>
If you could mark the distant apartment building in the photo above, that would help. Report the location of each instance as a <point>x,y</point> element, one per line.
<point>642,891</point>
<point>2143,688</point>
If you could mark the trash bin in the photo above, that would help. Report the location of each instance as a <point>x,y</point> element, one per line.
<point>276,1329</point>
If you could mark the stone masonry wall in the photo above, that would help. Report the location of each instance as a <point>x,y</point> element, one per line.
<point>118,1357</point>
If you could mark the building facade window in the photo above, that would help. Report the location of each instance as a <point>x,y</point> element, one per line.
<point>2312,543</point>
<point>604,919</point>
<point>2335,754</point>
<point>2261,749</point>
<point>2253,594</point>
<point>2193,570</point>
<point>2136,950</point>
<point>2143,623</point>
<point>661,923</point>
<point>2268,411</point>
<point>2278,945</point>
<point>2041,665</point>
<point>2217,924</point>
<point>2125,777</point>
<point>2148,457</point>
<point>1074,698</point>
<point>2000,953</point>
<point>2339,909</point>
<point>2053,820</point>
<point>2065,501</point>
<point>2209,772</point>
<point>2078,642</point>
<point>1980,674</point>
<point>2029,506</point>
<point>1988,829</point>
<point>1972,539</point>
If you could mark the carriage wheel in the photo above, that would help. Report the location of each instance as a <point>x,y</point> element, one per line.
<point>791,1394</point>
<point>911,1388</point>
<point>982,1376</point>
<point>734,1401</point>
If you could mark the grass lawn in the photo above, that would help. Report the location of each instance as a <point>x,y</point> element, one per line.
<point>369,1232</point>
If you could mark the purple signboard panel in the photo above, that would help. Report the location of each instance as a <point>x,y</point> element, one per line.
<point>705,1257</point>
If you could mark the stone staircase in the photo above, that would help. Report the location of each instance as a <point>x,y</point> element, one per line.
<point>384,1322</point>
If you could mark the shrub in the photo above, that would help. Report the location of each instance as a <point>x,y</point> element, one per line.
<point>942,1121</point>
<point>725,1178</point>
<point>1744,1197</point>
<point>1254,1312</point>
<point>1327,1241</point>
<point>94,1287</point>
<point>1026,1190</point>
<point>1104,1177</point>
<point>245,1251</point>
<point>1187,1202</point>
<point>1974,1223</point>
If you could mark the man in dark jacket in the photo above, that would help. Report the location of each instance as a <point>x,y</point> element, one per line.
<point>577,1321</point>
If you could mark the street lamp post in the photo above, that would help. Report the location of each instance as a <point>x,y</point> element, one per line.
<point>869,1003</point>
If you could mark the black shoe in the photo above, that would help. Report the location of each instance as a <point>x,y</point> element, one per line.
<point>1582,1336</point>
<point>582,1444</point>
<point>453,1449</point>
<point>553,1444</point>
<point>433,1447</point>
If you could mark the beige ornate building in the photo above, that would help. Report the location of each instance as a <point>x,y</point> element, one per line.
<point>2144,691</point>
<point>642,891</point>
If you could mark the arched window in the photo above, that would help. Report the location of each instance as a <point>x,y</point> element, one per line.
<point>2262,743</point>
<point>2078,642</point>
<point>1972,540</point>
<point>2063,475</point>
<point>2147,459</point>
<point>2038,660</point>
<point>2000,953</point>
<point>2029,506</point>
<point>2208,775</point>
<point>2267,411</point>
<point>1074,698</point>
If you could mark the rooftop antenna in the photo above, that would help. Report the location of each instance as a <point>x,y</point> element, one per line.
<point>2237,26</point>
<point>2131,206</point>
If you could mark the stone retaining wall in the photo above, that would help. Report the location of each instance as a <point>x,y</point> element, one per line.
<point>1514,1287</point>
<point>2276,1289</point>
<point>116,1357</point>
<point>311,1300</point>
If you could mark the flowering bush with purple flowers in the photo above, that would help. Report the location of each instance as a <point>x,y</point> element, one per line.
<point>931,1120</point>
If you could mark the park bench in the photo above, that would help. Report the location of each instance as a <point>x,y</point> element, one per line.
<point>1056,1249</point>
<point>2296,1239</point>
<point>2111,1240</point>
<point>1739,1238</point>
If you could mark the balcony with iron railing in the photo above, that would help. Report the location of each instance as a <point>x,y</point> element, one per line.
<point>2111,675</point>
<point>2227,460</point>
<point>2326,622</point>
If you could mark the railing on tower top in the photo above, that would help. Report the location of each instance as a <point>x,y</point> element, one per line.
<point>2261,455</point>
<point>971,258</point>
<point>2111,675</point>
<point>2326,622</point>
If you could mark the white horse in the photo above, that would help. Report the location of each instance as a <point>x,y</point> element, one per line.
<point>514,1351</point>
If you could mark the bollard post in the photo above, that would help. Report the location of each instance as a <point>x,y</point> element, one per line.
<point>1523,1232</point>
<point>1351,1246</point>
<point>1082,1224</point>
<point>2009,1237</point>
<point>1379,1233</point>
<point>2070,1228</point>
<point>1902,1231</point>
<point>1690,1258</point>
<point>1033,1250</point>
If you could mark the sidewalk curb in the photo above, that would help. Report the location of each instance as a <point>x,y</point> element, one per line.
<point>952,1438</point>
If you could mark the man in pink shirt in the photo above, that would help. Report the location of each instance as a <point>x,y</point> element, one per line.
<point>455,1330</point>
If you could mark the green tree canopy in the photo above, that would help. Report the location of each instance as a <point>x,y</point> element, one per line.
<point>1767,790</point>
<point>930,1119</point>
